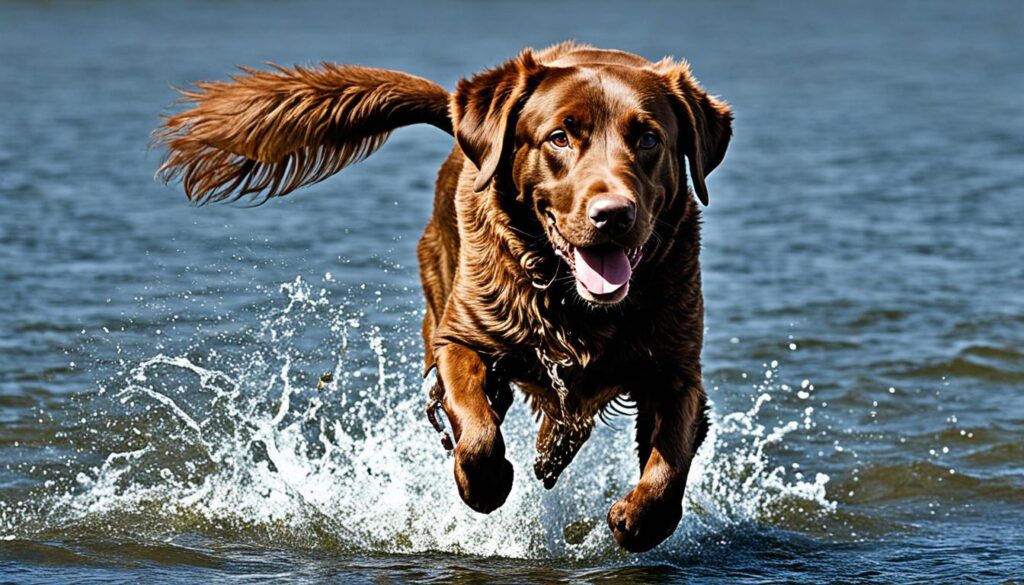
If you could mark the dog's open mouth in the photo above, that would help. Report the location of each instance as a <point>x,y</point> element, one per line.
<point>602,272</point>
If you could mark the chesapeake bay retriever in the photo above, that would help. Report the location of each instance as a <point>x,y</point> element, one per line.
<point>562,254</point>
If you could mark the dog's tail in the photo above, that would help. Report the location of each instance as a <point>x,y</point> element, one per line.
<point>267,133</point>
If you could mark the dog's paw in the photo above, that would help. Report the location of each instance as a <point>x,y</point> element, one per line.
<point>641,521</point>
<point>482,473</point>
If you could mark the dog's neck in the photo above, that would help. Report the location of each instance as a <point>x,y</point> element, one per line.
<point>505,257</point>
<point>521,295</point>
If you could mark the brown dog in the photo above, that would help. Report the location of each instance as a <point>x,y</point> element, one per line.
<point>562,254</point>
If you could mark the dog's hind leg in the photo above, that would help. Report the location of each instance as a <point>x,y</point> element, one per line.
<point>558,442</point>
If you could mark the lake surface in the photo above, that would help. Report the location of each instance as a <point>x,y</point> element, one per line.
<point>863,272</point>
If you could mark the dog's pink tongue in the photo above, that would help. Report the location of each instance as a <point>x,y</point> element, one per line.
<point>602,270</point>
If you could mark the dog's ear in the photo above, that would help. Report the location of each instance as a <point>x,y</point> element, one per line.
<point>705,123</point>
<point>485,109</point>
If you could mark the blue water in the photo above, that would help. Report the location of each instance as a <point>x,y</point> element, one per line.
<point>863,266</point>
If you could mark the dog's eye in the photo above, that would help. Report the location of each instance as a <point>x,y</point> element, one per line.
<point>559,138</point>
<point>648,140</point>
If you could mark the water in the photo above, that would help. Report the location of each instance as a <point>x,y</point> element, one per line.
<point>863,270</point>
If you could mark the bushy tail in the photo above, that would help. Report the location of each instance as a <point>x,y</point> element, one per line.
<point>267,133</point>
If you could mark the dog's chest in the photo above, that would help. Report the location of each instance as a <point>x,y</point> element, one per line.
<point>560,387</point>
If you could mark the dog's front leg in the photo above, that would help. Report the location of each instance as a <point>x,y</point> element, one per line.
<point>670,428</point>
<point>482,473</point>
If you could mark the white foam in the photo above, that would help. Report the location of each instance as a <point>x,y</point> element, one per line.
<point>255,448</point>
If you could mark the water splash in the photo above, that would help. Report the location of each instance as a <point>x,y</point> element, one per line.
<point>311,434</point>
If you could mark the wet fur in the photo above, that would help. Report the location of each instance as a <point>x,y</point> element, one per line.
<point>500,307</point>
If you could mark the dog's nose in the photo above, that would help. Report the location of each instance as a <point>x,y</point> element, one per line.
<point>612,214</point>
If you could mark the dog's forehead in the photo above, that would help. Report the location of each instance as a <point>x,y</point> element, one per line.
<point>590,92</point>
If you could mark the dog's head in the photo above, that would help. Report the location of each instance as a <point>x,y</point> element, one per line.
<point>596,142</point>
